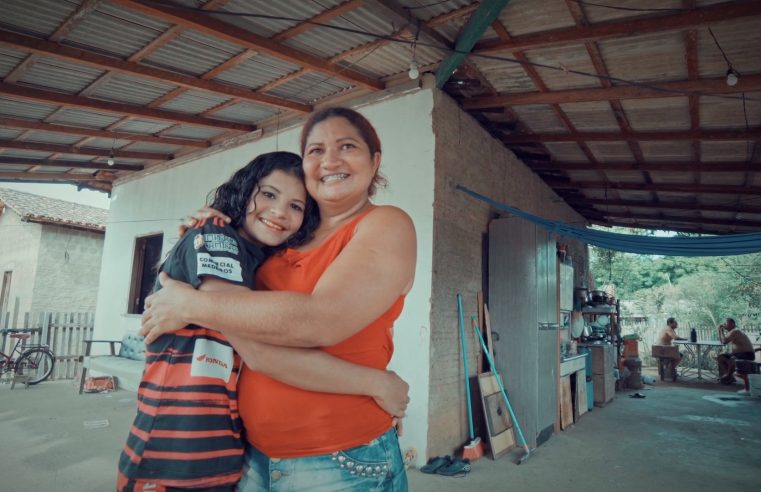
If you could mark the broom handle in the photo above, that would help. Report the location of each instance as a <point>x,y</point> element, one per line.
<point>501,387</point>
<point>465,364</point>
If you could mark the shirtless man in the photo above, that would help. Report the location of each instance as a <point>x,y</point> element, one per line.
<point>740,347</point>
<point>668,335</point>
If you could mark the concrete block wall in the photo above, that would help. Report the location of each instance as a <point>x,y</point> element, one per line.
<point>467,155</point>
<point>19,245</point>
<point>68,269</point>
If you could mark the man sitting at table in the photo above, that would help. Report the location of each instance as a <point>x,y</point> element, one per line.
<point>668,335</point>
<point>740,347</point>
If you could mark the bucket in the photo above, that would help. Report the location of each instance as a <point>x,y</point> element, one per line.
<point>754,381</point>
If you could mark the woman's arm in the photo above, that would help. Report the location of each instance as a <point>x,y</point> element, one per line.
<point>314,369</point>
<point>375,268</point>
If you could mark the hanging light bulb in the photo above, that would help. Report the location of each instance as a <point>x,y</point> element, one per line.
<point>732,77</point>
<point>414,72</point>
<point>110,160</point>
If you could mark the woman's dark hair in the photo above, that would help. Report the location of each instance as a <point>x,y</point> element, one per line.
<point>363,126</point>
<point>232,197</point>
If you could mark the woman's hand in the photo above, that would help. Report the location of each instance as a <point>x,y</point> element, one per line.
<point>200,215</point>
<point>393,395</point>
<point>164,309</point>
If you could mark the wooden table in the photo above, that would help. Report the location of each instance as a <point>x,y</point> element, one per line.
<point>699,350</point>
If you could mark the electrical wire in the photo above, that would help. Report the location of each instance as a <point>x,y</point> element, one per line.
<point>425,6</point>
<point>398,40</point>
<point>627,9</point>
<point>710,31</point>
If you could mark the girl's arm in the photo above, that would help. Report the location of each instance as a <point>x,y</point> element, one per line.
<point>373,270</point>
<point>314,369</point>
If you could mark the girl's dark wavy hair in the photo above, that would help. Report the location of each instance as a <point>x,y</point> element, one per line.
<point>232,197</point>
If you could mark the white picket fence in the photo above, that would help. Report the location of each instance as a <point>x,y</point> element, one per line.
<point>62,332</point>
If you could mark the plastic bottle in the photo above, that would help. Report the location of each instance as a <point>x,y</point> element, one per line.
<point>693,335</point>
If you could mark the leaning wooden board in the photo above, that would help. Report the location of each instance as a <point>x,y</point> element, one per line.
<point>498,423</point>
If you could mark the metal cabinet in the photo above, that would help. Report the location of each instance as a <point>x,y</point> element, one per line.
<point>523,310</point>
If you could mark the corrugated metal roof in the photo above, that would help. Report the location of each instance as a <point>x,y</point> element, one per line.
<point>194,102</point>
<point>665,113</point>
<point>666,150</point>
<point>591,116</point>
<point>193,53</point>
<point>326,42</point>
<point>727,112</point>
<point>107,143</point>
<point>244,113</point>
<point>13,168</point>
<point>89,119</point>
<point>540,118</point>
<point>25,109</point>
<point>133,90</point>
<point>741,41</point>
<point>153,147</point>
<point>116,30</point>
<point>9,133</point>
<point>574,57</point>
<point>527,16</point>
<point>566,151</point>
<point>193,132</point>
<point>9,59</point>
<point>716,151</point>
<point>596,13</point>
<point>611,151</point>
<point>27,154</point>
<point>60,75</point>
<point>51,138</point>
<point>257,71</point>
<point>310,87</point>
<point>646,58</point>
<point>143,126</point>
<point>504,76</point>
<point>391,59</point>
<point>43,19</point>
<point>269,27</point>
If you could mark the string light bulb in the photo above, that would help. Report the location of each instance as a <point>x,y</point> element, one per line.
<point>110,160</point>
<point>732,77</point>
<point>414,72</point>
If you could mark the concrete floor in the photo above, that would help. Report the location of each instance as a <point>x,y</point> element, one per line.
<point>683,436</point>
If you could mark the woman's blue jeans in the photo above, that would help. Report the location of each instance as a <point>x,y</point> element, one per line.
<point>377,465</point>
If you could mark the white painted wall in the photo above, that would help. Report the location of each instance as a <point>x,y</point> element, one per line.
<point>157,202</point>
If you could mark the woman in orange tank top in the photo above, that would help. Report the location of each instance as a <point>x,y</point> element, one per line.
<point>340,292</point>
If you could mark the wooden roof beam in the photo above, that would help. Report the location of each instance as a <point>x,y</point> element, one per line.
<point>69,164</point>
<point>321,18</point>
<point>45,177</point>
<point>751,134</point>
<point>241,37</point>
<point>687,167</point>
<point>693,230</point>
<point>750,209</point>
<point>625,28</point>
<point>746,83</point>
<point>71,149</point>
<point>75,55</point>
<point>30,94</point>
<point>670,188</point>
<point>80,13</point>
<point>94,132</point>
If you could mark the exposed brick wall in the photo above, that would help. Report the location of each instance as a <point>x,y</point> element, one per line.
<point>467,155</point>
<point>68,269</point>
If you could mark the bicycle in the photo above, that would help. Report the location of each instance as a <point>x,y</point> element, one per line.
<point>35,361</point>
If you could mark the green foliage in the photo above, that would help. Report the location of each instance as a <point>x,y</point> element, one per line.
<point>700,291</point>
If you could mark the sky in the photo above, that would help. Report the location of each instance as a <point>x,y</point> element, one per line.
<point>66,192</point>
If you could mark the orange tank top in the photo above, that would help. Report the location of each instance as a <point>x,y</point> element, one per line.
<point>286,422</point>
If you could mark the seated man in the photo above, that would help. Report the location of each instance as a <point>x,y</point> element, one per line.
<point>740,347</point>
<point>668,335</point>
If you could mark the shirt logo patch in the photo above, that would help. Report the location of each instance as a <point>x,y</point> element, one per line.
<point>220,242</point>
<point>198,241</point>
<point>212,360</point>
<point>226,268</point>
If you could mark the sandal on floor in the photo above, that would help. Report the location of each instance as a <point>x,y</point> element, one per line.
<point>436,463</point>
<point>637,395</point>
<point>457,468</point>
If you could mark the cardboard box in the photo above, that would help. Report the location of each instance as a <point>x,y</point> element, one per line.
<point>604,387</point>
<point>631,348</point>
<point>603,358</point>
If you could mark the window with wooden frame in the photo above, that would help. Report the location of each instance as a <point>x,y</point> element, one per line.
<point>145,264</point>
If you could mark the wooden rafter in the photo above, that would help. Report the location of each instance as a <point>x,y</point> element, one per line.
<point>70,149</point>
<point>321,18</point>
<point>49,177</point>
<point>163,39</point>
<point>452,15</point>
<point>668,219</point>
<point>751,134</point>
<point>18,72</point>
<point>685,167</point>
<point>69,164</point>
<point>750,209</point>
<point>626,28</point>
<point>693,229</point>
<point>29,94</point>
<point>94,132</point>
<point>671,187</point>
<point>88,58</point>
<point>80,13</point>
<point>239,36</point>
<point>747,83</point>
